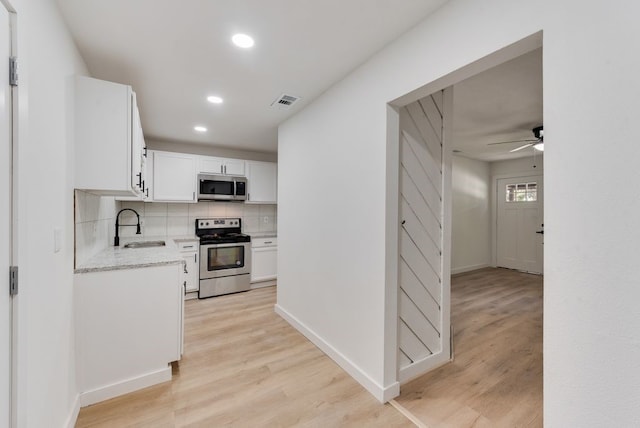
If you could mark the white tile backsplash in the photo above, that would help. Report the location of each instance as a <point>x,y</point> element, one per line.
<point>155,209</point>
<point>155,226</point>
<point>179,226</point>
<point>95,219</point>
<point>94,224</point>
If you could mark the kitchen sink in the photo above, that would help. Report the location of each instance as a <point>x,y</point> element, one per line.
<point>145,244</point>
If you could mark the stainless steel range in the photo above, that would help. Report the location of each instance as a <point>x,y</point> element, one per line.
<point>225,256</point>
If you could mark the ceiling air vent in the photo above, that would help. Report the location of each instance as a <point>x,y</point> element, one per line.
<point>285,101</point>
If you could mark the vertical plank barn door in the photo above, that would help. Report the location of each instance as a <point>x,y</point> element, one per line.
<point>6,155</point>
<point>423,269</point>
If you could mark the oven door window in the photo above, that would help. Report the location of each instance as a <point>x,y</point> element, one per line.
<point>225,258</point>
<point>216,187</point>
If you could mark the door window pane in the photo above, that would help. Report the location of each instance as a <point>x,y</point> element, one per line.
<point>522,192</point>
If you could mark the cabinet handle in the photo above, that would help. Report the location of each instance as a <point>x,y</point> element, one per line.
<point>188,246</point>
<point>147,192</point>
<point>221,169</point>
<point>143,186</point>
<point>195,258</point>
<point>225,169</point>
<point>145,152</point>
<point>268,242</point>
<point>248,196</point>
<point>194,196</point>
<point>139,179</point>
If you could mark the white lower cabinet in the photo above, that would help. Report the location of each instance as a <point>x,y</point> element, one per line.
<point>191,271</point>
<point>129,327</point>
<point>264,261</point>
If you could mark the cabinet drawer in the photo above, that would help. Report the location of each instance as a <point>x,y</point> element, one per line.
<point>188,247</point>
<point>264,242</point>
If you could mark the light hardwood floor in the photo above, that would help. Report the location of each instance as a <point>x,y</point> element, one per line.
<point>244,366</point>
<point>495,379</point>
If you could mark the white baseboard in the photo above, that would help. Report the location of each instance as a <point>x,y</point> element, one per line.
<point>73,415</point>
<point>469,268</point>
<point>263,284</point>
<point>421,367</point>
<point>382,394</point>
<point>125,386</point>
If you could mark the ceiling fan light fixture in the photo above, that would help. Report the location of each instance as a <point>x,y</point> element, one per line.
<point>539,146</point>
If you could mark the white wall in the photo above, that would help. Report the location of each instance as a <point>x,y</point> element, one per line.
<point>205,150</point>
<point>471,234</point>
<point>514,167</point>
<point>48,59</point>
<point>335,287</point>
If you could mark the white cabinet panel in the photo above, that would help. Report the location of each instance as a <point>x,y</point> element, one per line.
<point>128,324</point>
<point>262,182</point>
<point>223,166</point>
<point>234,167</point>
<point>174,177</point>
<point>191,270</point>
<point>108,141</point>
<point>264,259</point>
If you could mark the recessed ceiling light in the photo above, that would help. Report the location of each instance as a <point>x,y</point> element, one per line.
<point>214,100</point>
<point>200,128</point>
<point>242,41</point>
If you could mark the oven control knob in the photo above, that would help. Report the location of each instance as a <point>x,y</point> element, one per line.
<point>207,223</point>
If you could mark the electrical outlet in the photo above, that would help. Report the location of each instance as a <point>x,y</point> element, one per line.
<point>265,219</point>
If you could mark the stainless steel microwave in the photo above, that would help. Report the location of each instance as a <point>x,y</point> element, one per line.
<point>221,188</point>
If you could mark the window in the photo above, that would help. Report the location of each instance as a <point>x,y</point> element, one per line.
<point>522,192</point>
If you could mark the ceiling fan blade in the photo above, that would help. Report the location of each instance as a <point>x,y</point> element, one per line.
<point>521,147</point>
<point>528,140</point>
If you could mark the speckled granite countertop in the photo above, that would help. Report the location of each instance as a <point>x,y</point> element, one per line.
<point>115,258</point>
<point>263,234</point>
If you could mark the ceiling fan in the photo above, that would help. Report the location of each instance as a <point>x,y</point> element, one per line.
<point>537,142</point>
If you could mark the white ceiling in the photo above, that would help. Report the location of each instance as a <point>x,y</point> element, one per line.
<point>501,104</point>
<point>175,54</point>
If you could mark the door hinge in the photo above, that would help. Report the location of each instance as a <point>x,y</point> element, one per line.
<point>13,280</point>
<point>13,71</point>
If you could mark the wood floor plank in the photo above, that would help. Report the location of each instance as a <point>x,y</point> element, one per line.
<point>245,366</point>
<point>496,377</point>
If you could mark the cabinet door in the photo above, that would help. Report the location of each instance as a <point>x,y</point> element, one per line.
<point>209,165</point>
<point>137,148</point>
<point>190,275</point>
<point>262,182</point>
<point>234,167</point>
<point>264,264</point>
<point>103,121</point>
<point>174,177</point>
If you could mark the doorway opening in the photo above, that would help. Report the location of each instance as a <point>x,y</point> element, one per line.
<point>496,209</point>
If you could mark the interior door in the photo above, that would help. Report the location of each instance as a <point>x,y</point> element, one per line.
<point>424,236</point>
<point>5,219</point>
<point>520,225</point>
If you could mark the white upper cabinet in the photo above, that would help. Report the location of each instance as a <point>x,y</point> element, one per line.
<point>174,177</point>
<point>262,182</point>
<point>222,166</point>
<point>108,140</point>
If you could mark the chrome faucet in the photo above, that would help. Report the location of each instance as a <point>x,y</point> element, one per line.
<point>116,240</point>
